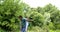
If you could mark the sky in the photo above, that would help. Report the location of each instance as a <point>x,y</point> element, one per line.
<point>42,3</point>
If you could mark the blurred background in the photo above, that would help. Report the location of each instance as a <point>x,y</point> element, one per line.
<point>45,13</point>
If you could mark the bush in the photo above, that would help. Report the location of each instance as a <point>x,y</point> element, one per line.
<point>38,19</point>
<point>9,12</point>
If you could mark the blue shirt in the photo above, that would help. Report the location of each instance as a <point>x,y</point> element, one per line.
<point>23,23</point>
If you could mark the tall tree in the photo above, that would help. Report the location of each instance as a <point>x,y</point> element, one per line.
<point>9,12</point>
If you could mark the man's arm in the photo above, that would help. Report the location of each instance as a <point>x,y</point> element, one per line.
<point>30,20</point>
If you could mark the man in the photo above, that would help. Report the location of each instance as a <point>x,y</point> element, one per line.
<point>24,24</point>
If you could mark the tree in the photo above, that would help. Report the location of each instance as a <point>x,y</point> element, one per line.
<point>54,15</point>
<point>9,12</point>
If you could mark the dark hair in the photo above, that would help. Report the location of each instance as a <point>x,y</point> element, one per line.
<point>20,16</point>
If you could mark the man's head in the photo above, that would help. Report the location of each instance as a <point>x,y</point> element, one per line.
<point>20,17</point>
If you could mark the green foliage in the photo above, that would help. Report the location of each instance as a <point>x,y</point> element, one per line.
<point>54,15</point>
<point>9,12</point>
<point>38,18</point>
<point>47,18</point>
